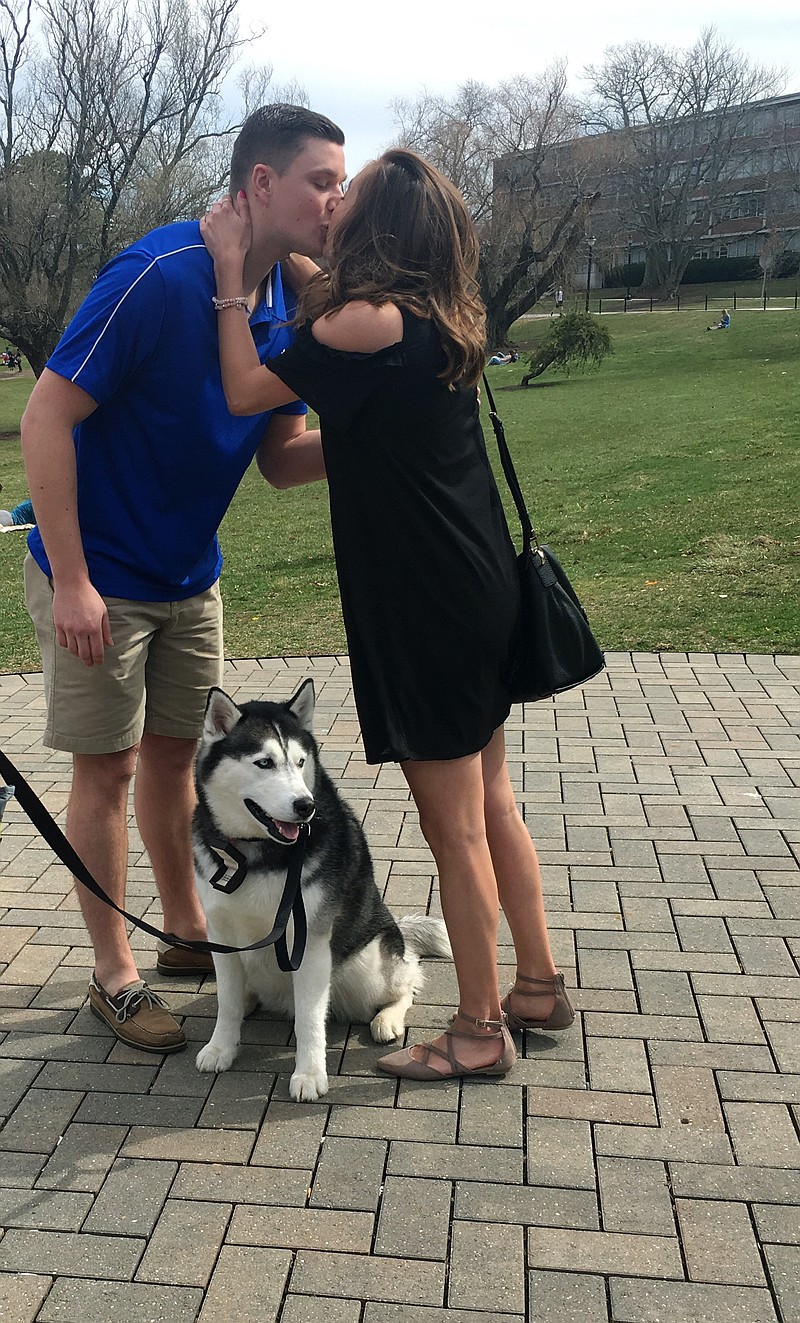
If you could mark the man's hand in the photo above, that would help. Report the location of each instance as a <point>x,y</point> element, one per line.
<point>81,623</point>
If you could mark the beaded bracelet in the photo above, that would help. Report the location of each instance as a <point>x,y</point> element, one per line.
<point>219,304</point>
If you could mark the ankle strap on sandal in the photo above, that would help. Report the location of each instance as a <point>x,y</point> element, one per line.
<point>543,982</point>
<point>481,1024</point>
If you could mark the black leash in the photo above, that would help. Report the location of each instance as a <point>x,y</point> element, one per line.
<point>291,902</point>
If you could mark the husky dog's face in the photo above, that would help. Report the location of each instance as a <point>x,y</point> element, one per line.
<point>256,766</point>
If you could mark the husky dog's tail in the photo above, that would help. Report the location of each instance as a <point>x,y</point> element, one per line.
<point>426,935</point>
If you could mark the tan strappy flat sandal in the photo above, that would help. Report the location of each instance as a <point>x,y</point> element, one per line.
<point>562,1014</point>
<point>406,1067</point>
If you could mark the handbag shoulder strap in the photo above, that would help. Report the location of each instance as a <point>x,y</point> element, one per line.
<point>528,531</point>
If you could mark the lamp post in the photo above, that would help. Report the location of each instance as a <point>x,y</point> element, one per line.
<point>628,287</point>
<point>591,242</point>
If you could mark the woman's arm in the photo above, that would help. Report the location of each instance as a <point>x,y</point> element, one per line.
<point>249,387</point>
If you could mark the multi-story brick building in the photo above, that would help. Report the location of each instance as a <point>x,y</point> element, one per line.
<point>748,197</point>
<point>761,194</point>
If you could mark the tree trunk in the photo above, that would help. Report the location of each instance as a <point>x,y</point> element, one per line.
<point>665,266</point>
<point>498,324</point>
<point>37,356</point>
<point>35,342</point>
<point>542,364</point>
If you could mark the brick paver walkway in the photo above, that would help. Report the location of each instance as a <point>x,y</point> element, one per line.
<point>645,1166</point>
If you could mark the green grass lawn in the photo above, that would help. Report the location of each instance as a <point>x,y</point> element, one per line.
<point>667,482</point>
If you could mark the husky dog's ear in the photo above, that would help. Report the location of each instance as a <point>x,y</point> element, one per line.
<point>302,704</point>
<point>221,716</point>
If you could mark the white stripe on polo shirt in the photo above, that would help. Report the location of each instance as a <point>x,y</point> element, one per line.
<point>174,253</point>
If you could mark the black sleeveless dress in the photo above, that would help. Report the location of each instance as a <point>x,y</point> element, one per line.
<point>426,565</point>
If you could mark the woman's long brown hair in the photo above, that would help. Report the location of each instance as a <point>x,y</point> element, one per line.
<point>408,239</point>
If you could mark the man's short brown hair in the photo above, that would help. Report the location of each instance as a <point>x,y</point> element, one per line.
<point>274,135</point>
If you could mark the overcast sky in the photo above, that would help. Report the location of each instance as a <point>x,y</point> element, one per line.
<point>356,56</point>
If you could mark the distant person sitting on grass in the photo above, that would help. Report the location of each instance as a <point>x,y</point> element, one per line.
<point>723,323</point>
<point>500,359</point>
<point>21,516</point>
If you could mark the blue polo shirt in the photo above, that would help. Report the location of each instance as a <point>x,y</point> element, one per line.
<point>160,458</point>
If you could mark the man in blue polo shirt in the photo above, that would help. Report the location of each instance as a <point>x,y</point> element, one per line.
<point>132,459</point>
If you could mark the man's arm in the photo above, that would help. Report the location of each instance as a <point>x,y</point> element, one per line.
<point>299,270</point>
<point>288,455</point>
<point>55,408</point>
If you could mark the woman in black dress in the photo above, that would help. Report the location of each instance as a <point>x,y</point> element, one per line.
<point>388,352</point>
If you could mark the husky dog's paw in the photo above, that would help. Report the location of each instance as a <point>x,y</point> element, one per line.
<point>216,1056</point>
<point>388,1025</point>
<point>306,1086</point>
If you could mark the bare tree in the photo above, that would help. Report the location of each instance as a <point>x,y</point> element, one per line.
<point>783,188</point>
<point>674,117</point>
<point>111,122</point>
<point>498,145</point>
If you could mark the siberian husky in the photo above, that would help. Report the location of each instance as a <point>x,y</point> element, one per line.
<point>258,780</point>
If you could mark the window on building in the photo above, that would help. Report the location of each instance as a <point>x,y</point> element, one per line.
<point>740,206</point>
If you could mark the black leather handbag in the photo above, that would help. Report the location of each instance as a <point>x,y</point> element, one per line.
<point>556,648</point>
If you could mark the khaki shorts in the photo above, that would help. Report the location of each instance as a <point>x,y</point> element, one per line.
<point>156,677</point>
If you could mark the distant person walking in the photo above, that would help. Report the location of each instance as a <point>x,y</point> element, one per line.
<point>559,299</point>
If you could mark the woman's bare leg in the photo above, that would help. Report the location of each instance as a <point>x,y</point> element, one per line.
<point>449,797</point>
<point>519,882</point>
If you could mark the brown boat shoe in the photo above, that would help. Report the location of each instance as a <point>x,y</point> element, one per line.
<point>181,962</point>
<point>137,1016</point>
